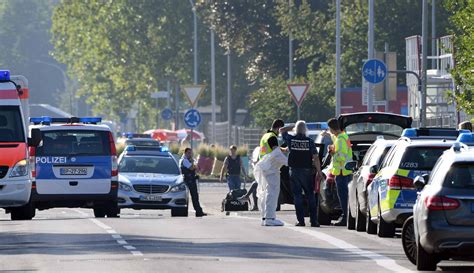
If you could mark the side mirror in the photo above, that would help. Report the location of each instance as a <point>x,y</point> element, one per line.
<point>419,183</point>
<point>35,138</point>
<point>374,169</point>
<point>351,165</point>
<point>426,177</point>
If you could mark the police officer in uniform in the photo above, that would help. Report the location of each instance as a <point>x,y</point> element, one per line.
<point>188,170</point>
<point>303,156</point>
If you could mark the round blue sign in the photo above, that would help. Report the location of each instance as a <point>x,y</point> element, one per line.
<point>192,118</point>
<point>374,71</point>
<point>167,114</point>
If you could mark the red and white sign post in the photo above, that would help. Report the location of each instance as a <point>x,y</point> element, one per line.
<point>298,92</point>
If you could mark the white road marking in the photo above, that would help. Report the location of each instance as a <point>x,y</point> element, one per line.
<point>379,259</point>
<point>113,233</point>
<point>128,247</point>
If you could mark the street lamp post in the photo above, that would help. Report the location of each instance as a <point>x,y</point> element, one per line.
<point>65,80</point>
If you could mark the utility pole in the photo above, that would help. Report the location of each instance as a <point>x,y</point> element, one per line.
<point>338,57</point>
<point>213,86</point>
<point>229,99</point>
<point>290,61</point>
<point>195,43</point>
<point>424,61</point>
<point>370,90</point>
<point>433,34</point>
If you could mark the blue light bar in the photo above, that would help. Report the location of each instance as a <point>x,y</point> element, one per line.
<point>467,138</point>
<point>131,135</point>
<point>433,133</point>
<point>409,132</point>
<point>48,120</point>
<point>4,75</point>
<point>317,125</point>
<point>164,149</point>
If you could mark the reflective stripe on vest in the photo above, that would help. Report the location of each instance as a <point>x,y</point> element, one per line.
<point>264,147</point>
<point>343,155</point>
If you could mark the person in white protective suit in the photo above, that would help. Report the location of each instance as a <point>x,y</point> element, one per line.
<point>267,174</point>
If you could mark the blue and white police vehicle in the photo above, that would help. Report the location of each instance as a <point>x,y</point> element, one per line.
<point>150,179</point>
<point>75,165</point>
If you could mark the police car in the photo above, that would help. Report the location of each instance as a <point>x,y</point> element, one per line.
<point>442,226</point>
<point>391,195</point>
<point>150,179</point>
<point>74,166</point>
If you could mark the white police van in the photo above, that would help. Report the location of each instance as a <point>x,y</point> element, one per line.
<point>75,165</point>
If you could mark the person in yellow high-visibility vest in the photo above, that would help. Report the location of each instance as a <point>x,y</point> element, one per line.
<point>341,152</point>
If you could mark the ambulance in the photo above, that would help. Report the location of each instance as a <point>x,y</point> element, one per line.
<point>15,177</point>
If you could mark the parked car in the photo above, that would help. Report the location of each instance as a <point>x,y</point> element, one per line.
<point>442,225</point>
<point>149,178</point>
<point>363,176</point>
<point>391,195</point>
<point>363,130</point>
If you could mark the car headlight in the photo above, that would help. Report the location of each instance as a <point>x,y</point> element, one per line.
<point>20,169</point>
<point>178,188</point>
<point>124,187</point>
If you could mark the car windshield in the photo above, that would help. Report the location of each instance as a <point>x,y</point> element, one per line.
<point>148,164</point>
<point>367,128</point>
<point>421,158</point>
<point>74,142</point>
<point>460,176</point>
<point>11,124</point>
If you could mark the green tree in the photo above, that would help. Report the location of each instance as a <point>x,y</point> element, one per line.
<point>463,73</point>
<point>25,46</point>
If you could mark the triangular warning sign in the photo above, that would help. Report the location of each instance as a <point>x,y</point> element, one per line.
<point>193,92</point>
<point>298,92</point>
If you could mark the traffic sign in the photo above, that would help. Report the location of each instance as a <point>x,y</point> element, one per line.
<point>374,71</point>
<point>192,118</point>
<point>298,92</point>
<point>160,95</point>
<point>193,92</point>
<point>167,114</point>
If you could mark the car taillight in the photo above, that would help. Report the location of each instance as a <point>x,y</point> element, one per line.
<point>441,203</point>
<point>370,178</point>
<point>32,161</point>
<point>113,153</point>
<point>399,182</point>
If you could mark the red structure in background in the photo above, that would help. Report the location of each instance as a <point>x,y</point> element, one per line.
<point>351,100</point>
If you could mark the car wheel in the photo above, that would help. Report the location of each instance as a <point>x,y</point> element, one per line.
<point>384,229</point>
<point>112,211</point>
<point>408,240</point>
<point>350,219</point>
<point>99,212</point>
<point>425,261</point>
<point>323,218</point>
<point>26,212</point>
<point>371,227</point>
<point>360,219</point>
<point>179,212</point>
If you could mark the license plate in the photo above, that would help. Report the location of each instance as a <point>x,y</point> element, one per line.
<point>151,198</point>
<point>73,171</point>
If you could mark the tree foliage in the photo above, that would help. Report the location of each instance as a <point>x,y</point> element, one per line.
<point>463,73</point>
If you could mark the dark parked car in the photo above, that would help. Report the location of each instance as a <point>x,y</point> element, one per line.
<point>363,130</point>
<point>442,225</point>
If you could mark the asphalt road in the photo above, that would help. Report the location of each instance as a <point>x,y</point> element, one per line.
<point>72,240</point>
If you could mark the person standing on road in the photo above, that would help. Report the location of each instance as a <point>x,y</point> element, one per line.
<point>234,167</point>
<point>188,170</point>
<point>267,174</point>
<point>303,156</point>
<point>341,152</point>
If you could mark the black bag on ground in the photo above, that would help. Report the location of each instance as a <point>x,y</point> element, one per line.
<point>231,202</point>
